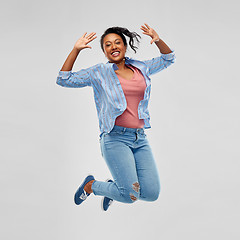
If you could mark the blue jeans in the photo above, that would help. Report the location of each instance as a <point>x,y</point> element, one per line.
<point>132,165</point>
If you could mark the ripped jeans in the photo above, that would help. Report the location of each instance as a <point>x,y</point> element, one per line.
<point>132,165</point>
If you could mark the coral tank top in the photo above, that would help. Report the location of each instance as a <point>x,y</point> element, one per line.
<point>134,92</point>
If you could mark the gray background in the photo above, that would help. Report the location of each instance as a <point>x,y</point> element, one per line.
<point>49,135</point>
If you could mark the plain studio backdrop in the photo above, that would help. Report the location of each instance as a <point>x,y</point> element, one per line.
<point>50,136</point>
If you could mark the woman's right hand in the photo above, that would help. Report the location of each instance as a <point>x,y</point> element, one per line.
<point>84,40</point>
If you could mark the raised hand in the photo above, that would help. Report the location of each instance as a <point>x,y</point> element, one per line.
<point>150,32</point>
<point>84,40</point>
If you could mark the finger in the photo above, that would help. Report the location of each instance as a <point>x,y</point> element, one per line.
<point>84,35</point>
<point>147,26</point>
<point>144,28</point>
<point>94,36</point>
<point>90,35</point>
<point>87,46</point>
<point>146,33</point>
<point>91,39</point>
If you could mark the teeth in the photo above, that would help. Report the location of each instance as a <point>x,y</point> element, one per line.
<point>115,53</point>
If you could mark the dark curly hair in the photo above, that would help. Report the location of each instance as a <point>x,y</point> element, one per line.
<point>121,32</point>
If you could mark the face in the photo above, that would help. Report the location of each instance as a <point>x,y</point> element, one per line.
<point>114,48</point>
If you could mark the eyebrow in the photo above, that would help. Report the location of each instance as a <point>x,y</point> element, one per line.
<point>114,40</point>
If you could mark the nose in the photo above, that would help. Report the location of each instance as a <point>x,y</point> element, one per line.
<point>113,46</point>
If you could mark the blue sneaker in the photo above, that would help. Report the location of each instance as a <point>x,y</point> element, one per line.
<point>81,195</point>
<point>106,202</point>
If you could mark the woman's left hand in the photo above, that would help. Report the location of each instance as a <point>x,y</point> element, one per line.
<point>150,32</point>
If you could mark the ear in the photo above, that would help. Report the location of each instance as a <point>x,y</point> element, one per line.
<point>125,46</point>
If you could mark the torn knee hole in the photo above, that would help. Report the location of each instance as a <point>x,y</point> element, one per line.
<point>136,187</point>
<point>133,197</point>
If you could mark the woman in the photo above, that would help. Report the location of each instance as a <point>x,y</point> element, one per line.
<point>121,92</point>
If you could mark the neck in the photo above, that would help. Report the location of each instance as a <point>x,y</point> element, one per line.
<point>121,64</point>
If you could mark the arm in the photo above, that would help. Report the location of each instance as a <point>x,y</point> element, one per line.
<point>77,79</point>
<point>162,46</point>
<point>68,64</point>
<point>167,55</point>
<point>79,45</point>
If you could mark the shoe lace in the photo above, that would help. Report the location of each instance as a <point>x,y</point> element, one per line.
<point>83,196</point>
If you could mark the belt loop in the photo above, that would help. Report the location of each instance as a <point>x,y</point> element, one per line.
<point>124,129</point>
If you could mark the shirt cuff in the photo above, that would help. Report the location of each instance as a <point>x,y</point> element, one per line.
<point>169,56</point>
<point>64,74</point>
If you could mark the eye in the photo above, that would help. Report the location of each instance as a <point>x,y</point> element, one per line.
<point>118,42</point>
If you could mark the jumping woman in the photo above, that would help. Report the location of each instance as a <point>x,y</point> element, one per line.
<point>121,89</point>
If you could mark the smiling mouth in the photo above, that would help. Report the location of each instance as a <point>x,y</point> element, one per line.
<point>115,54</point>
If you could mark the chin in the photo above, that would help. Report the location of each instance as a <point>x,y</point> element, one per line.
<point>118,59</point>
<point>114,60</point>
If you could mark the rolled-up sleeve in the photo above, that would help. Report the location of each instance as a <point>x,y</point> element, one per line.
<point>157,64</point>
<point>71,79</point>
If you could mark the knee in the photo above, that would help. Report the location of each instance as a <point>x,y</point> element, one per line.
<point>151,194</point>
<point>154,195</point>
<point>132,194</point>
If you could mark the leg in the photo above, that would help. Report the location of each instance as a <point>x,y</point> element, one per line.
<point>147,172</point>
<point>120,160</point>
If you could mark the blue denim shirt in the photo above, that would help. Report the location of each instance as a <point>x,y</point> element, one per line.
<point>108,94</point>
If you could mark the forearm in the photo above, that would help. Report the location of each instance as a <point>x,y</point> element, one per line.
<point>68,64</point>
<point>163,47</point>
